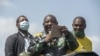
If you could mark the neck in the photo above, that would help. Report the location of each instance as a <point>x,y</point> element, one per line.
<point>79,34</point>
<point>24,32</point>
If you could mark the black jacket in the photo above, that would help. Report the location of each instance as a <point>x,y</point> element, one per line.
<point>14,45</point>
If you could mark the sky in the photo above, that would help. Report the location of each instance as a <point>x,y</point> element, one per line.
<point>35,10</point>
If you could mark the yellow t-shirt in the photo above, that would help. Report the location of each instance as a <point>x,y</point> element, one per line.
<point>84,44</point>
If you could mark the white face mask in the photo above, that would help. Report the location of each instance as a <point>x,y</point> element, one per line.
<point>24,25</point>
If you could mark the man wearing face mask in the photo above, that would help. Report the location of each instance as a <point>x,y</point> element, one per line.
<point>85,44</point>
<point>20,41</point>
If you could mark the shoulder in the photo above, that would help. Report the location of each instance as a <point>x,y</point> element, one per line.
<point>88,39</point>
<point>12,37</point>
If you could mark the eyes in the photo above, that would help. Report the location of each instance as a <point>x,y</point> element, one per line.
<point>78,25</point>
<point>22,19</point>
<point>50,22</point>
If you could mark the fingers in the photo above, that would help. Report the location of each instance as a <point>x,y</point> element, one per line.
<point>63,28</point>
<point>48,37</point>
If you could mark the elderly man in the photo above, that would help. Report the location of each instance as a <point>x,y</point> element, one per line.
<point>58,38</point>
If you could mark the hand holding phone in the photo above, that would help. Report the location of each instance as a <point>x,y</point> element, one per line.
<point>64,29</point>
<point>55,31</point>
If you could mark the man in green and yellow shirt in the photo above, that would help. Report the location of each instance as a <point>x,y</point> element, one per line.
<point>85,44</point>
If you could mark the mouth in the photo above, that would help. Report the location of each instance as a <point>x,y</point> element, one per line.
<point>49,28</point>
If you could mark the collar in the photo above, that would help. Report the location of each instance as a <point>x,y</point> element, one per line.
<point>24,34</point>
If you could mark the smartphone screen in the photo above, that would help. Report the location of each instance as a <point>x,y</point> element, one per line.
<point>55,32</point>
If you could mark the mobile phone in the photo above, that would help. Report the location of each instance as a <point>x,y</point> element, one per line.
<point>55,32</point>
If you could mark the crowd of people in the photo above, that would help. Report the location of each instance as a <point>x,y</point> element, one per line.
<point>52,41</point>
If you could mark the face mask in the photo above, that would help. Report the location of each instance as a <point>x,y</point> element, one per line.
<point>24,25</point>
<point>79,34</point>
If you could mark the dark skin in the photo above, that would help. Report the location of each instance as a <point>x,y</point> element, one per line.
<point>48,22</point>
<point>79,24</point>
<point>20,19</point>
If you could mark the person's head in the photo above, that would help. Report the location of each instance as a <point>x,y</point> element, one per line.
<point>49,20</point>
<point>79,25</point>
<point>22,23</point>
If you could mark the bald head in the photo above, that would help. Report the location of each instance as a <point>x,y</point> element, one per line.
<point>82,19</point>
<point>79,23</point>
<point>52,17</point>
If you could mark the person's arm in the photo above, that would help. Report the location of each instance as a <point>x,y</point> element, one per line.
<point>71,41</point>
<point>9,46</point>
<point>39,45</point>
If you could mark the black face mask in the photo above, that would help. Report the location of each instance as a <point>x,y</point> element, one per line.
<point>79,34</point>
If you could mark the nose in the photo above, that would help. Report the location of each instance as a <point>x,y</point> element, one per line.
<point>78,27</point>
<point>50,23</point>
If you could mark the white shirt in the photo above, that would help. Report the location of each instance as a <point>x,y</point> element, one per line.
<point>27,41</point>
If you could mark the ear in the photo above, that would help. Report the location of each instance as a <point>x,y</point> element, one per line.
<point>17,25</point>
<point>57,23</point>
<point>43,24</point>
<point>85,26</point>
<point>72,25</point>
